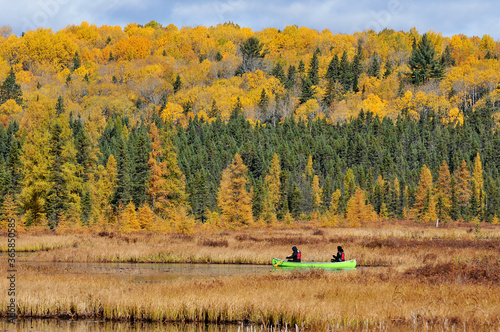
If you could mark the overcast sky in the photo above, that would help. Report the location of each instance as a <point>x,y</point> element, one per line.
<point>472,18</point>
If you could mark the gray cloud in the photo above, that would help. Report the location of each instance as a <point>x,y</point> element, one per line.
<point>448,17</point>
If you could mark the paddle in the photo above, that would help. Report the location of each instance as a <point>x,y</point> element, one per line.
<point>277,264</point>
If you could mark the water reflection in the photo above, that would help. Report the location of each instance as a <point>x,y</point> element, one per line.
<point>91,326</point>
<point>152,272</point>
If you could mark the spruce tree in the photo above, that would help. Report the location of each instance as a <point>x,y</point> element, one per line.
<point>313,69</point>
<point>10,89</point>
<point>423,63</point>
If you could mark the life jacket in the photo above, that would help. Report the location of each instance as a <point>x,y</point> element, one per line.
<point>342,257</point>
<point>299,255</point>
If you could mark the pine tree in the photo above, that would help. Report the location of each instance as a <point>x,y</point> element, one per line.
<point>273,182</point>
<point>443,191</point>
<point>198,195</point>
<point>312,74</point>
<point>76,61</point>
<point>177,84</point>
<point>140,174</point>
<point>307,92</point>
<point>214,110</point>
<point>11,90</point>
<point>346,76</point>
<point>279,73</point>
<point>233,199</point>
<point>253,52</point>
<point>122,195</point>
<point>290,79</point>
<point>86,212</point>
<point>60,106</point>
<point>332,73</point>
<point>423,63</point>
<point>263,103</point>
<point>374,66</point>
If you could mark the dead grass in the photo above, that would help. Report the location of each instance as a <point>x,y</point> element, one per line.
<point>365,299</point>
<point>424,278</point>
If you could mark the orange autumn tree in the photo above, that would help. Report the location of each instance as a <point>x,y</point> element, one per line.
<point>234,200</point>
<point>359,210</point>
<point>166,186</point>
<point>463,180</point>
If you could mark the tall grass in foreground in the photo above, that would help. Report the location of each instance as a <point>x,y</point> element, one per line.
<point>439,296</point>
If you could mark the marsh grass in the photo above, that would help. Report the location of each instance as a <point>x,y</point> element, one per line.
<point>315,299</point>
<point>396,245</point>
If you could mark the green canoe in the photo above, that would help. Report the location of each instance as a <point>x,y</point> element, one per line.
<point>328,265</point>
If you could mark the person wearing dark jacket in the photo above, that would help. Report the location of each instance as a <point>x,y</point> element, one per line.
<point>296,256</point>
<point>340,256</point>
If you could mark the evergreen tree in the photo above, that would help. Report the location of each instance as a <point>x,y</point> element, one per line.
<point>10,89</point>
<point>60,106</point>
<point>140,174</point>
<point>253,52</point>
<point>198,195</point>
<point>374,66</point>
<point>307,91</point>
<point>86,212</point>
<point>76,61</point>
<point>279,73</point>
<point>290,80</point>
<point>346,76</point>
<point>332,73</point>
<point>122,195</point>
<point>423,63</point>
<point>312,74</point>
<point>177,84</point>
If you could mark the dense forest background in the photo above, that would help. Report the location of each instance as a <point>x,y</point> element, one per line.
<point>160,128</point>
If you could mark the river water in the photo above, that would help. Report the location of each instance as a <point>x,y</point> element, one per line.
<point>33,325</point>
<point>141,273</point>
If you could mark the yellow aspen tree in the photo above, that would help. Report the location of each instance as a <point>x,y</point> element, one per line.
<point>424,190</point>
<point>335,202</point>
<point>495,220</point>
<point>146,217</point>
<point>156,181</point>
<point>8,213</point>
<point>273,182</point>
<point>430,214</point>
<point>317,193</point>
<point>309,171</point>
<point>349,183</point>
<point>129,222</point>
<point>478,177</point>
<point>359,211</point>
<point>463,179</point>
<point>233,199</point>
<point>181,222</point>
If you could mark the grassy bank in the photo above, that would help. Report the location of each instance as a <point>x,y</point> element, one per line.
<point>437,296</point>
<point>395,245</point>
<point>429,278</point>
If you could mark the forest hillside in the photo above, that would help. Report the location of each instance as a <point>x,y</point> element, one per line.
<point>168,129</point>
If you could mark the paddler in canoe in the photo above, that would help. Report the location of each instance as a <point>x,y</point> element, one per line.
<point>340,256</point>
<point>296,255</point>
